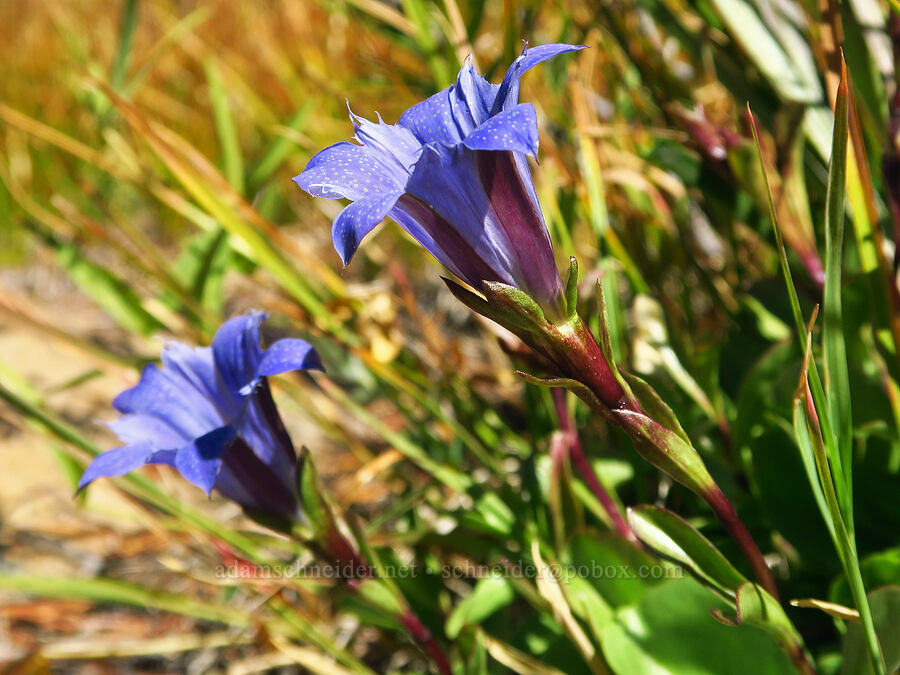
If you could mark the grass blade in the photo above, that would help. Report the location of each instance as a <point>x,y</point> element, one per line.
<point>126,34</point>
<point>837,379</point>
<point>232,162</point>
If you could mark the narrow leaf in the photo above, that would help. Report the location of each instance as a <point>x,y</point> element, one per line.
<point>837,380</point>
<point>673,537</point>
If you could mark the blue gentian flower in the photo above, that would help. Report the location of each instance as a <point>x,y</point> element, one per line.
<point>209,413</point>
<point>453,173</point>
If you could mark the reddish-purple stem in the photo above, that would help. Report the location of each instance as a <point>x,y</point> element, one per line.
<point>584,468</point>
<point>723,509</point>
<point>347,557</point>
<point>426,640</point>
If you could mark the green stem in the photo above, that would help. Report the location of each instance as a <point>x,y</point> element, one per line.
<point>858,590</point>
<point>845,546</point>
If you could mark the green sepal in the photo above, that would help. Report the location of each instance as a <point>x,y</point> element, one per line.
<point>516,302</point>
<point>324,524</point>
<point>266,519</point>
<point>312,499</point>
<point>576,387</point>
<point>606,342</point>
<point>500,307</point>
<point>572,289</point>
<point>382,596</point>
<point>471,300</point>
<point>653,405</point>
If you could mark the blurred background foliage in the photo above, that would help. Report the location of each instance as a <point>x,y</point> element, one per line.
<point>146,151</point>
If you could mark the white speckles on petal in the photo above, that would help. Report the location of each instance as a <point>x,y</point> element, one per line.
<point>347,170</point>
<point>514,129</point>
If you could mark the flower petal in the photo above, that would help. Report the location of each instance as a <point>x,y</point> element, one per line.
<point>455,249</point>
<point>261,427</point>
<point>508,94</point>
<point>119,461</point>
<point>394,144</point>
<point>510,191</point>
<point>169,397</point>
<point>288,354</point>
<point>514,129</point>
<point>447,181</point>
<point>200,461</point>
<point>157,432</point>
<point>476,92</point>
<point>237,352</point>
<point>357,220</point>
<point>432,120</point>
<point>195,365</point>
<point>350,171</point>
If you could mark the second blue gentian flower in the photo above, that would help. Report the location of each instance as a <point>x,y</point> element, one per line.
<point>453,173</point>
<point>208,412</point>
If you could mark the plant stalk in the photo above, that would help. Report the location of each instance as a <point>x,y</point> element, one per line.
<point>726,514</point>
<point>348,557</point>
<point>584,468</point>
<point>584,360</point>
<point>423,636</point>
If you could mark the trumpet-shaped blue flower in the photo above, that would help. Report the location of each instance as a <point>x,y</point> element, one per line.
<point>209,413</point>
<point>453,173</point>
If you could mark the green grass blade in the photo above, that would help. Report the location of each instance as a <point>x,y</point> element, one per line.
<point>417,12</point>
<point>818,392</point>
<point>126,35</point>
<point>113,294</point>
<point>122,593</point>
<point>232,162</point>
<point>837,380</point>
<point>799,323</point>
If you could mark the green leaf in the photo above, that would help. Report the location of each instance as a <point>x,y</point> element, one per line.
<point>673,537</point>
<point>490,514</point>
<point>619,572</point>
<point>489,595</point>
<point>837,379</point>
<point>795,79</point>
<point>654,406</point>
<point>755,607</point>
<point>587,604</point>
<point>671,631</point>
